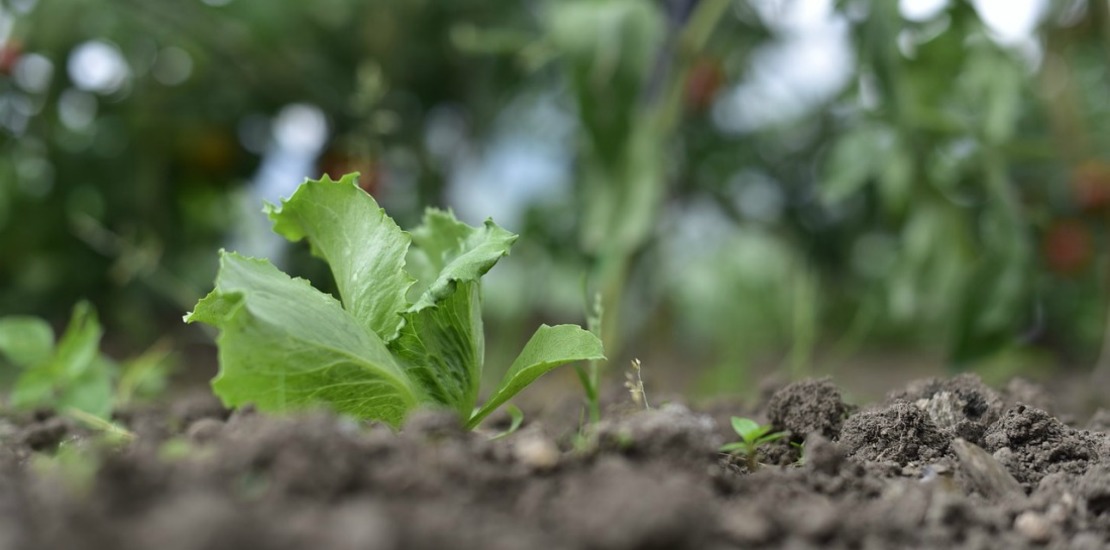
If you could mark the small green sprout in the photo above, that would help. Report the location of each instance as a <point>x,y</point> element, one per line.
<point>801,447</point>
<point>752,437</point>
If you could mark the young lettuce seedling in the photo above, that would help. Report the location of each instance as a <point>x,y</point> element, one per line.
<point>752,437</point>
<point>405,332</point>
<point>68,374</point>
<point>71,375</point>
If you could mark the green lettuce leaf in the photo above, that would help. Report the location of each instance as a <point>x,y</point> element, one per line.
<point>443,347</point>
<point>26,341</point>
<point>442,343</point>
<point>448,250</point>
<point>363,246</point>
<point>548,348</point>
<point>285,345</point>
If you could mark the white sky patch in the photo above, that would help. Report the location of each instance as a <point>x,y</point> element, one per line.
<point>525,163</point>
<point>921,10</point>
<point>300,131</point>
<point>810,62</point>
<point>1011,22</point>
<point>300,128</point>
<point>97,66</point>
<point>793,15</point>
<point>515,174</point>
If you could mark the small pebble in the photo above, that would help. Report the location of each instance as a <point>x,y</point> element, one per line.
<point>1034,527</point>
<point>1059,512</point>
<point>537,452</point>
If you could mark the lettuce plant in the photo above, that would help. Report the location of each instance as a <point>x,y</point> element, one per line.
<point>405,332</point>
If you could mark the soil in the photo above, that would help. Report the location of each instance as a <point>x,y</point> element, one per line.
<point>942,463</point>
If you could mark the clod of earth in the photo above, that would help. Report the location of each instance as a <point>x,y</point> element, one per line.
<point>808,406</point>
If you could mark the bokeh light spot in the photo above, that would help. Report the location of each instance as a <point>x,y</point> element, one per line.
<point>97,66</point>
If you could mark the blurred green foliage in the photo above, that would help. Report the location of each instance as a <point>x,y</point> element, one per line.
<point>946,191</point>
<point>72,374</point>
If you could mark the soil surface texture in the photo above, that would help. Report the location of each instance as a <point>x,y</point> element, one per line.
<point>943,464</point>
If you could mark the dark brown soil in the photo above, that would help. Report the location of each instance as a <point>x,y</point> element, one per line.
<point>941,464</point>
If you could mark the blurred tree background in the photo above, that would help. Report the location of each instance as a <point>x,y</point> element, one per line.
<point>745,183</point>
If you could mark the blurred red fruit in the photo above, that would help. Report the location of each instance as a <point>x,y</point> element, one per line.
<point>1067,246</point>
<point>10,52</point>
<point>703,83</point>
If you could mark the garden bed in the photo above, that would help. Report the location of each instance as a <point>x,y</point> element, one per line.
<point>938,464</point>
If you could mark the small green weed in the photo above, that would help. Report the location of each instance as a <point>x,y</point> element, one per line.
<point>801,447</point>
<point>752,437</point>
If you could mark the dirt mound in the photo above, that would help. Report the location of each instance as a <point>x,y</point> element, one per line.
<point>808,406</point>
<point>962,406</point>
<point>1033,444</point>
<point>901,433</point>
<point>895,475</point>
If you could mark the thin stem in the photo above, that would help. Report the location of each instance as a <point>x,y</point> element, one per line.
<point>753,464</point>
<point>588,377</point>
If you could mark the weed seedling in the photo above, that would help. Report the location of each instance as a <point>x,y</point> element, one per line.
<point>752,437</point>
<point>70,374</point>
<point>801,447</point>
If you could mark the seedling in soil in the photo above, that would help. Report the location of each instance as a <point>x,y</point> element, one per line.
<point>801,447</point>
<point>405,332</point>
<point>68,374</point>
<point>752,437</point>
<point>71,375</point>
